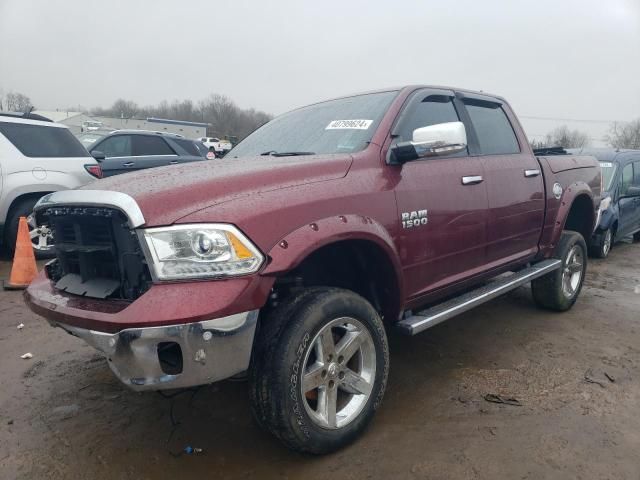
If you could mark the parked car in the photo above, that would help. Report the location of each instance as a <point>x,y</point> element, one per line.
<point>621,210</point>
<point>220,147</point>
<point>408,206</point>
<point>37,157</point>
<point>91,125</point>
<point>125,151</point>
<point>88,139</point>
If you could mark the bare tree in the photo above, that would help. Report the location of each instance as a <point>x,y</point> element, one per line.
<point>224,117</point>
<point>17,102</point>
<point>564,137</point>
<point>125,108</point>
<point>538,144</point>
<point>121,108</point>
<point>624,134</point>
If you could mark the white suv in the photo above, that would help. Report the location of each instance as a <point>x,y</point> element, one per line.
<point>37,157</point>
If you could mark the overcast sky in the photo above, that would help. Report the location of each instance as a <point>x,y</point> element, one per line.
<point>573,59</point>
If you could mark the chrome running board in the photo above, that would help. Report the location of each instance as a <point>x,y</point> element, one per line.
<point>420,321</point>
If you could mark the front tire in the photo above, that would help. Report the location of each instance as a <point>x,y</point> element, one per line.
<point>559,289</point>
<point>320,369</point>
<point>604,247</point>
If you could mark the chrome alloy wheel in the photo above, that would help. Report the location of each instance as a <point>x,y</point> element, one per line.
<point>41,236</point>
<point>606,242</point>
<point>572,271</point>
<point>339,373</point>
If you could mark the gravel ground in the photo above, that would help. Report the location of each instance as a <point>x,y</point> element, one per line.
<point>63,415</point>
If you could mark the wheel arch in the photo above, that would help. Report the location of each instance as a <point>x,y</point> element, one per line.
<point>347,251</point>
<point>575,211</point>
<point>581,216</point>
<point>22,192</point>
<point>6,228</point>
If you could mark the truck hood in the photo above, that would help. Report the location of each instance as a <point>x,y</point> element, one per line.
<point>167,194</point>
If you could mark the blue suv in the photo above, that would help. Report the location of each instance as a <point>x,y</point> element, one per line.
<point>621,193</point>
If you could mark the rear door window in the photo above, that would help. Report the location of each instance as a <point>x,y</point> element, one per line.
<point>627,178</point>
<point>116,146</point>
<point>494,131</point>
<point>636,174</point>
<point>148,145</point>
<point>38,141</point>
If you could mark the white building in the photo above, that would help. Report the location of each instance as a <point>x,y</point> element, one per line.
<point>187,129</point>
<point>76,121</point>
<point>73,120</point>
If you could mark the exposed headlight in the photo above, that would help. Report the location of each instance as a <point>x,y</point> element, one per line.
<point>199,251</point>
<point>605,203</point>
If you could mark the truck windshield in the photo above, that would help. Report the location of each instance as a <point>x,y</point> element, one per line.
<point>344,125</point>
<point>608,169</point>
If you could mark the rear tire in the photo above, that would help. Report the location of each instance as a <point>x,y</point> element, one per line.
<point>559,289</point>
<point>636,237</point>
<point>319,369</point>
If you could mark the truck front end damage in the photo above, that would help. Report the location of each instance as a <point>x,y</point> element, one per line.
<point>108,286</point>
<point>176,356</point>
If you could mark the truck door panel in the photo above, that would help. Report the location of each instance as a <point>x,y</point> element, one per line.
<point>514,183</point>
<point>442,221</point>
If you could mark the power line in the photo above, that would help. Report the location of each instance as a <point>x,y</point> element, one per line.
<point>601,139</point>
<point>584,120</point>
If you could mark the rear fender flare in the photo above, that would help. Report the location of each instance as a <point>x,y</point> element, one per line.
<point>567,200</point>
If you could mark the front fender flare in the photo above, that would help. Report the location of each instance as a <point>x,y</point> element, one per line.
<point>291,250</point>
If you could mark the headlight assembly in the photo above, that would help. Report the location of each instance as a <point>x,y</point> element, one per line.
<point>199,251</point>
<point>605,203</point>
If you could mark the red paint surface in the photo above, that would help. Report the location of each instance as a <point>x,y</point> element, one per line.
<point>472,231</point>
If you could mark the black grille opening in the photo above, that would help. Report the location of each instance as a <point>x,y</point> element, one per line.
<point>97,254</point>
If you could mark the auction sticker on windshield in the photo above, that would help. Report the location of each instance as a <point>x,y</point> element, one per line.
<point>606,164</point>
<point>349,125</point>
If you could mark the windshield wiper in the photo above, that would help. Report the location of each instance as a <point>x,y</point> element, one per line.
<point>273,153</point>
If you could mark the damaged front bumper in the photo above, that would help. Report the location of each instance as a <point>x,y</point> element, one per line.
<point>176,356</point>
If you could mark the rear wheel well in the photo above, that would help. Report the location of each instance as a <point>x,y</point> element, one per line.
<point>357,265</point>
<point>581,216</point>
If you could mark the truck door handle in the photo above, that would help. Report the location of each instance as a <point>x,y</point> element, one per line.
<point>173,162</point>
<point>531,173</point>
<point>128,164</point>
<point>472,180</point>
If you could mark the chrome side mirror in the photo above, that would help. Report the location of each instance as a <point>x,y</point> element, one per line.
<point>432,141</point>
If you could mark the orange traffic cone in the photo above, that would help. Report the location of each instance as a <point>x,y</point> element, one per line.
<point>24,268</point>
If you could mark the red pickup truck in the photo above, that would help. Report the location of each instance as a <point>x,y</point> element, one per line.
<point>291,258</point>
